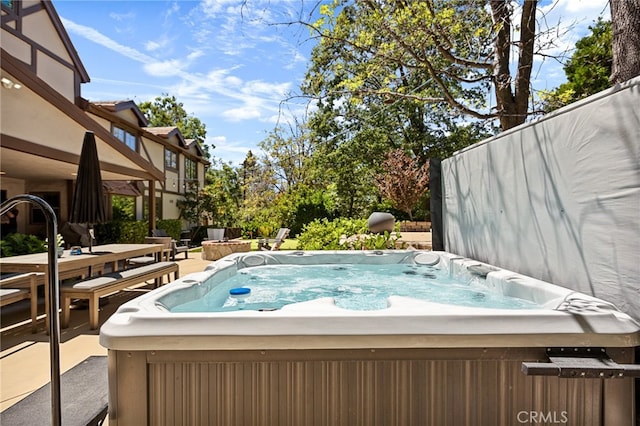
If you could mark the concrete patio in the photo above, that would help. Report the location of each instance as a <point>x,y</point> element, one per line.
<point>24,356</point>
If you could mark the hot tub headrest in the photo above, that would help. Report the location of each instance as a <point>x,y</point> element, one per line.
<point>427,258</point>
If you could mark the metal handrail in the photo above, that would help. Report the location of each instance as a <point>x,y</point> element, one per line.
<point>54,296</point>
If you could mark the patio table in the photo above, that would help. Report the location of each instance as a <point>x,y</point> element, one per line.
<point>107,254</point>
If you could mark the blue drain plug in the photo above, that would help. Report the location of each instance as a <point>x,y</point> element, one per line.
<point>240,294</point>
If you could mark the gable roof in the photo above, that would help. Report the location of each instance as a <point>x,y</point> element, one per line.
<point>119,106</point>
<point>66,40</point>
<point>168,133</point>
<point>12,23</point>
<point>194,146</point>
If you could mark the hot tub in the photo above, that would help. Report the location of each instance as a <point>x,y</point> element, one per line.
<point>414,361</point>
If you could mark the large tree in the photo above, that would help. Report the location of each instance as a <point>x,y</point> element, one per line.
<point>287,152</point>
<point>625,15</point>
<point>447,53</point>
<point>588,70</point>
<point>165,110</point>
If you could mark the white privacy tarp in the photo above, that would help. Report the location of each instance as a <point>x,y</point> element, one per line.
<point>557,199</point>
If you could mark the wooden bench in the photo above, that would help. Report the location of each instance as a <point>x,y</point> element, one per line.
<point>84,395</point>
<point>20,286</point>
<point>17,287</point>
<point>94,288</point>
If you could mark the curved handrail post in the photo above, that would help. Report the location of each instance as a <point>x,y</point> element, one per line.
<point>54,296</point>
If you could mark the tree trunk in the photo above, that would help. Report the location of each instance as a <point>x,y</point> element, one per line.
<point>625,17</point>
<point>512,96</point>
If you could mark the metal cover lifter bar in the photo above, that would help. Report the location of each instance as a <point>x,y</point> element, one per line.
<point>580,363</point>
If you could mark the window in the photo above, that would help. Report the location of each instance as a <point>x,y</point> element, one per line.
<point>190,169</point>
<point>129,139</point>
<point>170,159</point>
<point>36,216</point>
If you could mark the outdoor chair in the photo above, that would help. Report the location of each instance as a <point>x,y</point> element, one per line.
<point>164,254</point>
<point>176,247</point>
<point>265,244</point>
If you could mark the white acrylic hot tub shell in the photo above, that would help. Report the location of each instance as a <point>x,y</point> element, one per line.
<point>568,318</point>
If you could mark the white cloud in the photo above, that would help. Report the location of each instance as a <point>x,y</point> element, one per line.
<point>234,152</point>
<point>195,54</point>
<point>581,7</point>
<point>246,112</point>
<point>161,44</point>
<point>212,8</point>
<point>274,90</point>
<point>122,16</point>
<point>152,45</point>
<point>98,38</point>
<point>296,58</point>
<point>226,90</point>
<point>220,140</point>
<point>168,68</point>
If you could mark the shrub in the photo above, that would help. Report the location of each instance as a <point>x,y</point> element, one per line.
<point>133,232</point>
<point>17,244</point>
<point>124,232</point>
<point>386,241</point>
<point>344,234</point>
<point>172,226</point>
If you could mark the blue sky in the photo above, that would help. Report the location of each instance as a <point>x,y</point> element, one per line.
<point>232,63</point>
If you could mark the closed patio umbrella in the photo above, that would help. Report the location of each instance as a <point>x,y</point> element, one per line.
<point>88,205</point>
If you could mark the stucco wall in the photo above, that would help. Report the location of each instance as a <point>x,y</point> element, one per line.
<point>557,199</point>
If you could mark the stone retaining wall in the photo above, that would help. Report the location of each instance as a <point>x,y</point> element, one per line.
<point>415,226</point>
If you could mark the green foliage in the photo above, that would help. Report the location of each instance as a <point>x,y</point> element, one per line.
<point>59,242</point>
<point>172,226</point>
<point>323,234</point>
<point>385,241</point>
<point>165,110</point>
<point>266,231</point>
<point>123,207</point>
<point>17,244</point>
<point>222,197</point>
<point>133,231</point>
<point>344,234</point>
<point>587,71</point>
<point>287,153</point>
<point>372,76</point>
<point>126,232</point>
<point>259,194</point>
<point>445,53</point>
<point>308,206</point>
<point>190,205</point>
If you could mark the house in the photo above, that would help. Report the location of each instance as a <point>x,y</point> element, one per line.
<point>44,119</point>
<point>182,160</point>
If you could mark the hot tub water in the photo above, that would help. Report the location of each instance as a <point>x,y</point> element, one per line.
<point>352,286</point>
